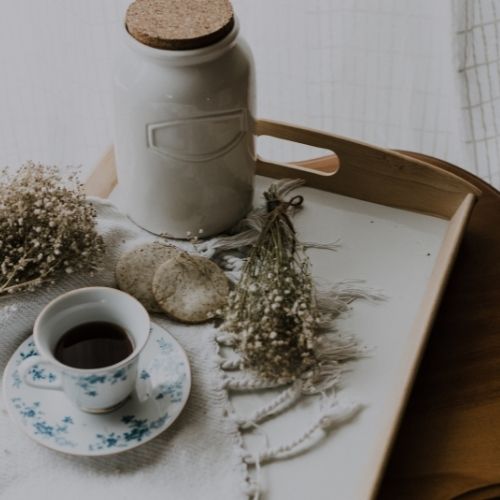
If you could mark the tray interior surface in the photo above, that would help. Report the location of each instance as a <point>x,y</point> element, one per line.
<point>393,251</point>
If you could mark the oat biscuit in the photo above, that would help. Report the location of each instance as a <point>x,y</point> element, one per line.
<point>136,268</point>
<point>190,288</point>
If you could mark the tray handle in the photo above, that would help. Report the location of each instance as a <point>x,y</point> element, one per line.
<point>367,172</point>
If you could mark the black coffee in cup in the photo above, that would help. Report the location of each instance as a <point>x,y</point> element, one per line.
<point>93,345</point>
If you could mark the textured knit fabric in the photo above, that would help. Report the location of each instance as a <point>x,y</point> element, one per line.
<point>198,457</point>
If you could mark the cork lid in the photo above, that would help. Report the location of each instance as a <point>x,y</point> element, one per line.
<point>179,24</point>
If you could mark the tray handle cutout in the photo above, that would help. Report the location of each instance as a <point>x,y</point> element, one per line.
<point>367,172</point>
<point>320,160</point>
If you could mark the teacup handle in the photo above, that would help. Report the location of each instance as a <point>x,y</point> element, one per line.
<point>39,378</point>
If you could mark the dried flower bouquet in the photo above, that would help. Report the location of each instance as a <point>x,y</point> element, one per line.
<point>47,227</point>
<point>278,321</point>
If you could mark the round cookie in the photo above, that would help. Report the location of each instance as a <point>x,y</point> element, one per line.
<point>190,288</point>
<point>179,24</point>
<point>135,270</point>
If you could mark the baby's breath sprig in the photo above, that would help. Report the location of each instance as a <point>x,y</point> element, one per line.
<point>272,311</point>
<point>47,227</point>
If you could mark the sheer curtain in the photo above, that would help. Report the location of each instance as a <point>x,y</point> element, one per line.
<point>410,74</point>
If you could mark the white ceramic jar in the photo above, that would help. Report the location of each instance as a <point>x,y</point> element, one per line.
<point>184,134</point>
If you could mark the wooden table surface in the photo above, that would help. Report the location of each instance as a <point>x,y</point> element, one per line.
<point>448,444</point>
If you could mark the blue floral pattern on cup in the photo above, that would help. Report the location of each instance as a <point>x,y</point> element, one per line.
<point>90,383</point>
<point>167,367</point>
<point>36,372</point>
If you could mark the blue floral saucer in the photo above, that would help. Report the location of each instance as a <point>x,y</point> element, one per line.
<point>51,419</point>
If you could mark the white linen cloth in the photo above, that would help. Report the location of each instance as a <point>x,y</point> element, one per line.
<point>198,457</point>
<point>421,75</point>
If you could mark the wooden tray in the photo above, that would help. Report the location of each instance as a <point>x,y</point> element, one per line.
<point>399,221</point>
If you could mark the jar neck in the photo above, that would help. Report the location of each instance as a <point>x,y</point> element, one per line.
<point>183,57</point>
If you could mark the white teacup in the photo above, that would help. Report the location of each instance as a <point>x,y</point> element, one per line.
<point>95,390</point>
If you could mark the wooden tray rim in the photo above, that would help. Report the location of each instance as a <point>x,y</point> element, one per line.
<point>388,178</point>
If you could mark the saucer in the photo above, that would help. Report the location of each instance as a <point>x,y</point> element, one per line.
<point>49,417</point>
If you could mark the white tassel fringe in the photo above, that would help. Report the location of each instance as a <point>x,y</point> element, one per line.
<point>334,417</point>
